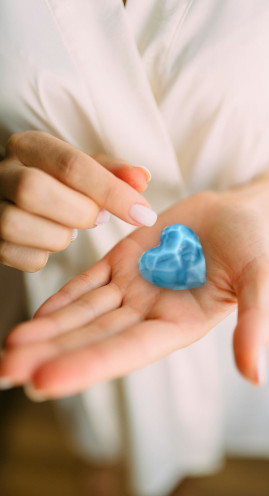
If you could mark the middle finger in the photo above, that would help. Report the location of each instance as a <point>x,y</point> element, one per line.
<point>37,192</point>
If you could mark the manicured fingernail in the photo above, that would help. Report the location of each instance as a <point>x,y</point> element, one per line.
<point>148,173</point>
<point>34,394</point>
<point>262,367</point>
<point>74,235</point>
<point>102,218</point>
<point>143,215</point>
<point>6,383</point>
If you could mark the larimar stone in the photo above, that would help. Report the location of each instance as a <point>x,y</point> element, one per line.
<point>177,263</point>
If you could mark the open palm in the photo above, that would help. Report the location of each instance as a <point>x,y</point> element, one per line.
<point>109,321</point>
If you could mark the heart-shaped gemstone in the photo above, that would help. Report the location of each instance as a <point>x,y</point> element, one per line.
<point>177,263</point>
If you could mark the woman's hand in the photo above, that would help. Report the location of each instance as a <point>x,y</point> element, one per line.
<point>48,188</point>
<point>109,321</point>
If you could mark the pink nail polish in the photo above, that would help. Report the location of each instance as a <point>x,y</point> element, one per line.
<point>74,235</point>
<point>147,171</point>
<point>6,383</point>
<point>143,215</point>
<point>34,394</point>
<point>102,218</point>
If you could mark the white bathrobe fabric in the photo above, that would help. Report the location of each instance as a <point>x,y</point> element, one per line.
<point>180,87</point>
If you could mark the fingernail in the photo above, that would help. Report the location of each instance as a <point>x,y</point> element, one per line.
<point>74,234</point>
<point>148,173</point>
<point>6,383</point>
<point>102,218</point>
<point>262,367</point>
<point>34,394</point>
<point>143,215</point>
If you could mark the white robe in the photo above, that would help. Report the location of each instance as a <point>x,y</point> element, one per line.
<point>178,86</point>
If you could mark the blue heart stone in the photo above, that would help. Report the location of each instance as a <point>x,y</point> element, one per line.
<point>177,263</point>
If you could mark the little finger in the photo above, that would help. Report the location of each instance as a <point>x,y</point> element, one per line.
<point>22,257</point>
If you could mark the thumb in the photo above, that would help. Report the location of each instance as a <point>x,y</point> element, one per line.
<point>136,176</point>
<point>252,331</point>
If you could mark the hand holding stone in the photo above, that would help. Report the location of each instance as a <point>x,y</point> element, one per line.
<point>109,321</point>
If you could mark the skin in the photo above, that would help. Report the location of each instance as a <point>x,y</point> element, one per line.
<point>109,321</point>
<point>48,188</point>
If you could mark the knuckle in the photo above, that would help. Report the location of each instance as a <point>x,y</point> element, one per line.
<point>83,278</point>
<point>14,142</point>
<point>8,224</point>
<point>20,140</point>
<point>27,187</point>
<point>108,193</point>
<point>68,165</point>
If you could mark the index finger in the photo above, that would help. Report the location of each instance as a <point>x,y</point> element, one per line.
<point>82,173</point>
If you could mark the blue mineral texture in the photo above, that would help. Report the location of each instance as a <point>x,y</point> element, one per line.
<point>177,263</point>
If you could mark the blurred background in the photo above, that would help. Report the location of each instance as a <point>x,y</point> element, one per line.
<point>38,459</point>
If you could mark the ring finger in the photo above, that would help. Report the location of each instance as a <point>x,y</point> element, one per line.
<point>23,228</point>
